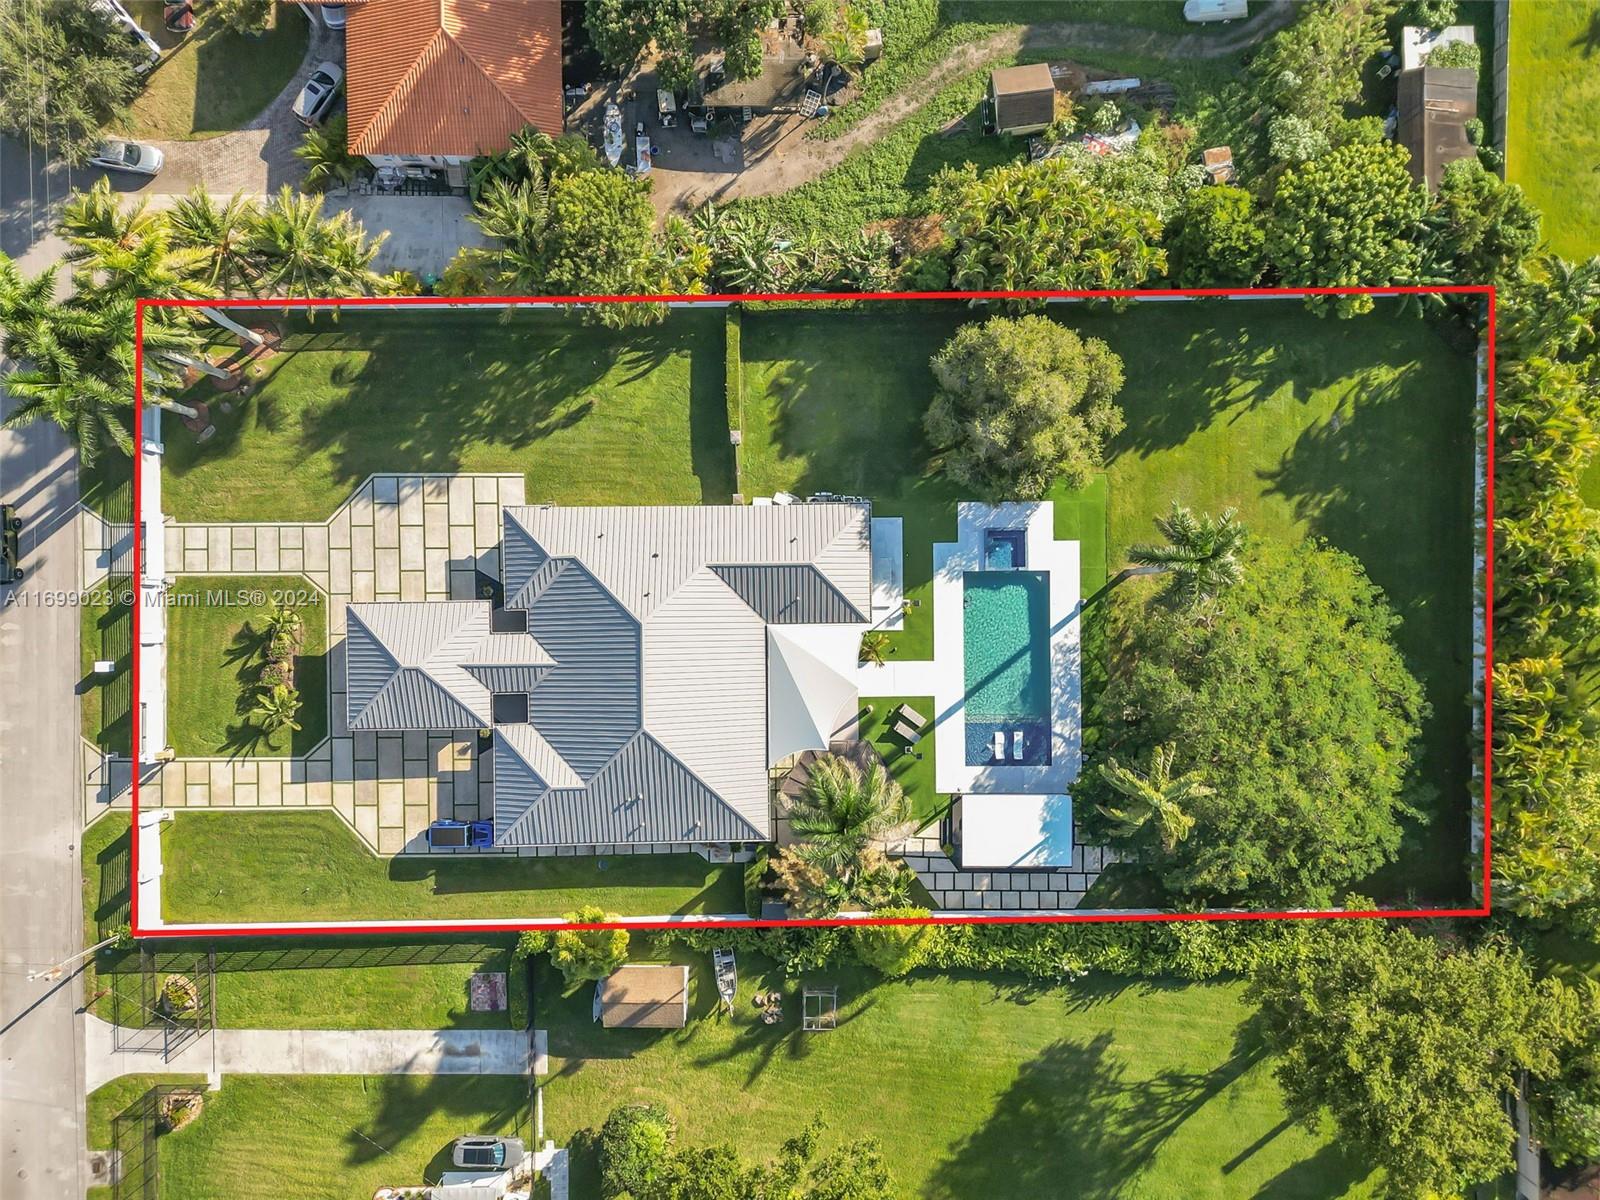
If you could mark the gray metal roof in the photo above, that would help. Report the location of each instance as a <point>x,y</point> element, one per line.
<point>644,661</point>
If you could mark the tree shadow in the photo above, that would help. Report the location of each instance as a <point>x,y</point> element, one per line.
<point>1588,42</point>
<point>1331,1171</point>
<point>1074,1113</point>
<point>406,1102</point>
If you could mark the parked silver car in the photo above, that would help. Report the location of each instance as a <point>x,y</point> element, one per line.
<point>134,157</point>
<point>319,93</point>
<point>482,1153</point>
<point>333,15</point>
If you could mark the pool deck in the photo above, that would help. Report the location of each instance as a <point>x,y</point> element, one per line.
<point>944,676</point>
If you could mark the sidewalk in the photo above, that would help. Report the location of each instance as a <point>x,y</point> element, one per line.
<point>314,1052</point>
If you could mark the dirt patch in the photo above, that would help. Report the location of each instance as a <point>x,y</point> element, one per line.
<point>914,235</point>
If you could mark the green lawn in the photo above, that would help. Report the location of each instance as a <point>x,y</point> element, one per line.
<point>216,648</point>
<point>1356,431</point>
<point>591,415</point>
<point>1553,130</point>
<point>214,80</point>
<point>911,767</point>
<point>974,1087</point>
<point>308,866</point>
<point>317,1137</point>
<point>107,633</point>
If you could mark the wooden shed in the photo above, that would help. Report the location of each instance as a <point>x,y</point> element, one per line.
<point>1022,99</point>
<point>644,996</point>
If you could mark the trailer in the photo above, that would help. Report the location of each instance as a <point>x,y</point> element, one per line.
<point>722,963</point>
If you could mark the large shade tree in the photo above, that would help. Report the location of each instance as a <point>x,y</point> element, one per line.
<point>1411,1046</point>
<point>1023,402</point>
<point>67,70</point>
<point>1291,699</point>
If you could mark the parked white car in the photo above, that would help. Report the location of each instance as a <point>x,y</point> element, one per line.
<point>333,15</point>
<point>134,157</point>
<point>120,15</point>
<point>319,93</point>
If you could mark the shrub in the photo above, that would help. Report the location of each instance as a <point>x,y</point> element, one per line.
<point>1475,130</point>
<point>893,949</point>
<point>1220,239</point>
<point>281,647</point>
<point>1463,55</point>
<point>179,996</point>
<point>1433,14</point>
<point>275,673</point>
<point>402,283</point>
<point>633,1143</point>
<point>755,878</point>
<point>177,1109</point>
<point>586,954</point>
<point>250,17</point>
<point>1293,139</point>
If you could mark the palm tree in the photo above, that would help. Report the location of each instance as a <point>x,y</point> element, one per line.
<point>222,231</point>
<point>1153,797</point>
<point>1201,557</point>
<point>276,708</point>
<point>296,251</point>
<point>874,647</point>
<point>516,215</point>
<point>328,161</point>
<point>130,252</point>
<point>841,810</point>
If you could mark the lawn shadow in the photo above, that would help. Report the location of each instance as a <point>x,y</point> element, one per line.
<point>406,1102</point>
<point>1588,42</point>
<point>1074,1113</point>
<point>1331,1171</point>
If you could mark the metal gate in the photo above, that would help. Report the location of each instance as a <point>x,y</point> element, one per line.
<point>134,1134</point>
<point>165,1004</point>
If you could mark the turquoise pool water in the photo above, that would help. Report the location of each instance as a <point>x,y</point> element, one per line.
<point>1006,646</point>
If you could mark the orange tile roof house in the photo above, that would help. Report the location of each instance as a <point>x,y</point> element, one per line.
<point>450,78</point>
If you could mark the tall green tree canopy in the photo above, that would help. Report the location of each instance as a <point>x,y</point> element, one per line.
<point>1312,69</point>
<point>1480,230</point>
<point>1023,402</point>
<point>1411,1047</point>
<point>1220,237</point>
<point>1290,700</point>
<point>66,71</point>
<point>1040,226</point>
<point>1347,219</point>
<point>621,30</point>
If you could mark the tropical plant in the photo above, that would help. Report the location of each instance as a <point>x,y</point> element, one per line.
<point>894,950</point>
<point>844,39</point>
<point>1463,56</point>
<point>1479,229</point>
<point>1152,800</point>
<point>298,252</point>
<point>1200,558</point>
<point>1348,218</point>
<point>588,954</point>
<point>326,154</point>
<point>841,811</point>
<point>67,70</point>
<point>128,252</point>
<point>874,647</point>
<point>1220,238</point>
<point>1037,226</point>
<point>276,708</point>
<point>1023,402</point>
<point>222,231</point>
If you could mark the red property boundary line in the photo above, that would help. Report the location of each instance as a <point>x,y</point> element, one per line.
<point>383,928</point>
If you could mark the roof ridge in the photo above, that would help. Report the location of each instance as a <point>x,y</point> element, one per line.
<point>383,116</point>
<point>490,79</point>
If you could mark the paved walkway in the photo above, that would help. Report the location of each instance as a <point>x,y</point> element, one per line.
<point>314,1052</point>
<point>399,537</point>
<point>956,890</point>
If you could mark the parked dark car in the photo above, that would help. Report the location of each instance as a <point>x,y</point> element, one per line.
<point>10,544</point>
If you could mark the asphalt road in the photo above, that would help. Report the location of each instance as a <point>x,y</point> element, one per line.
<point>41,921</point>
<point>32,190</point>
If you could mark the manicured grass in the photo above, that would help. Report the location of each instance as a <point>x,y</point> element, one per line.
<point>1553,130</point>
<point>303,866</point>
<point>214,80</point>
<point>216,648</point>
<point>107,634</point>
<point>591,415</point>
<point>974,1087</point>
<point>911,767</point>
<point>1356,431</point>
<point>321,1137</point>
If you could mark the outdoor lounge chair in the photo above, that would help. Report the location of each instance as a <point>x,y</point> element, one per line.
<point>912,715</point>
<point>1016,744</point>
<point>907,733</point>
<point>999,746</point>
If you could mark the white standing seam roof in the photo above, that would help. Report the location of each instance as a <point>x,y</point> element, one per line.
<point>645,662</point>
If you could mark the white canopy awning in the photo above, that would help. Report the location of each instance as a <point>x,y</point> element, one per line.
<point>811,685</point>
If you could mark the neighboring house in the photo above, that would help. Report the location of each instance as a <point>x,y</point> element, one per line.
<point>1435,104</point>
<point>1022,99</point>
<point>643,996</point>
<point>434,83</point>
<point>645,669</point>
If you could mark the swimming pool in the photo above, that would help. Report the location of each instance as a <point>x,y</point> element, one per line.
<point>1006,647</point>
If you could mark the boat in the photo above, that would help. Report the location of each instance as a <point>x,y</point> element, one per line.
<point>613,138</point>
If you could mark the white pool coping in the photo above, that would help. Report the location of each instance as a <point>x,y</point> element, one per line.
<point>944,676</point>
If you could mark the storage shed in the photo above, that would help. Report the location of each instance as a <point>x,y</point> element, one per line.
<point>644,996</point>
<point>1022,99</point>
<point>1435,104</point>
